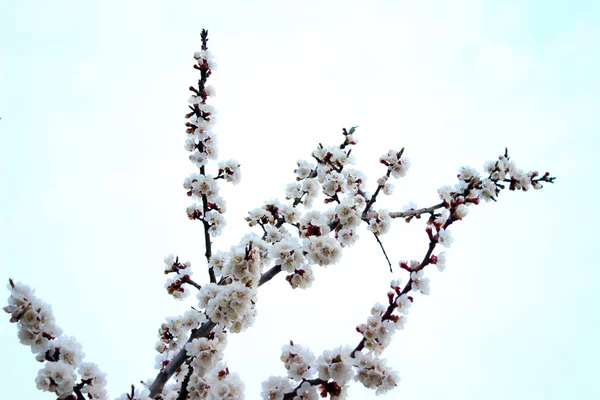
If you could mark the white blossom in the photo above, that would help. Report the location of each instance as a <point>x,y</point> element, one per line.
<point>297,360</point>
<point>336,364</point>
<point>230,169</point>
<point>288,254</point>
<point>441,261</point>
<point>419,281</point>
<point>462,211</point>
<point>301,278</point>
<point>56,377</point>
<point>276,387</point>
<point>445,238</point>
<point>403,303</point>
<point>322,250</point>
<point>374,374</point>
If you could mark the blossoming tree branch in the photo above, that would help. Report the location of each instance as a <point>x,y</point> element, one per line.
<point>288,237</point>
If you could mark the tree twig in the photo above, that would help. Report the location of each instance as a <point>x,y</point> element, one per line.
<point>383,249</point>
<point>414,213</point>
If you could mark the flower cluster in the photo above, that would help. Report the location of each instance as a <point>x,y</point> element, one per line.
<point>322,250</point>
<point>231,306</point>
<point>206,352</point>
<point>379,222</point>
<point>378,330</point>
<point>181,272</point>
<point>201,143</point>
<point>225,385</point>
<point>62,355</point>
<point>173,334</point>
<point>397,164</point>
<point>297,361</point>
<point>374,374</point>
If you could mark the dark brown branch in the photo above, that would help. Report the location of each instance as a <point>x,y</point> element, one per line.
<point>77,391</point>
<point>167,372</point>
<point>191,282</point>
<point>267,276</point>
<point>203,331</point>
<point>373,198</point>
<point>183,392</point>
<point>207,242</point>
<point>313,382</point>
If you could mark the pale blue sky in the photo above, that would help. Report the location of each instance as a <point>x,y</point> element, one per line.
<point>92,101</point>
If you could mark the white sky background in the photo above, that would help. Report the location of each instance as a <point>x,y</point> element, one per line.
<point>92,101</point>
